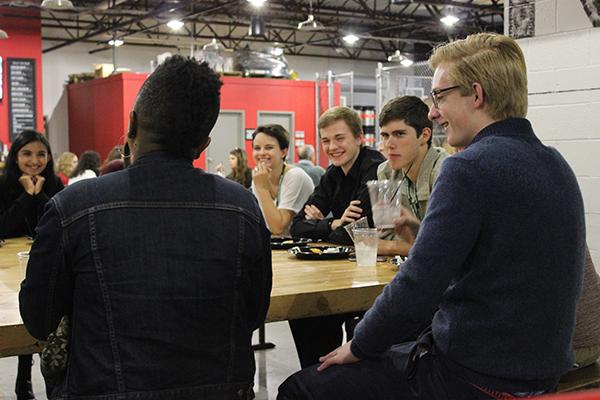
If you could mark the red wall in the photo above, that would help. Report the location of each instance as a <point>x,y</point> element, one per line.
<point>99,112</point>
<point>99,109</point>
<point>24,41</point>
<point>260,94</point>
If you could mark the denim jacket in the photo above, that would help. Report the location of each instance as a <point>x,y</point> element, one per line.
<point>165,271</point>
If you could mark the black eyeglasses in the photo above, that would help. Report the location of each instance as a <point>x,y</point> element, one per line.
<point>436,92</point>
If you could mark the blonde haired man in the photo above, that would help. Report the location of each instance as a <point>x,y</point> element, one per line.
<point>496,266</point>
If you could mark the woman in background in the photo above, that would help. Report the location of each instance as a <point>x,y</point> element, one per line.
<point>114,154</point>
<point>113,162</point>
<point>65,165</point>
<point>87,167</point>
<point>281,188</point>
<point>240,172</point>
<point>25,188</point>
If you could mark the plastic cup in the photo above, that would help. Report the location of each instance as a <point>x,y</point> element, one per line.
<point>386,202</point>
<point>365,246</point>
<point>23,260</point>
<point>359,223</point>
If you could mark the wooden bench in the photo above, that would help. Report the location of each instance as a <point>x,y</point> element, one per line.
<point>584,378</point>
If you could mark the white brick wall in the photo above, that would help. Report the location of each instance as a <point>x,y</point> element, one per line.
<point>563,62</point>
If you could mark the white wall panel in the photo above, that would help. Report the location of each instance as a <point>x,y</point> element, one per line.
<point>596,259</point>
<point>565,122</point>
<point>74,59</point>
<point>571,16</point>
<point>564,98</point>
<point>308,66</point>
<point>592,222</point>
<point>561,50</point>
<point>594,46</point>
<point>590,190</point>
<point>545,17</point>
<point>582,155</point>
<point>575,78</point>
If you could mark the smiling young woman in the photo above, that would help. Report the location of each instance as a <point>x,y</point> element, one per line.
<point>281,189</point>
<point>25,188</point>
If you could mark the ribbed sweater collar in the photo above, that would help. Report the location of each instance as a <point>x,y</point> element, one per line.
<point>519,127</point>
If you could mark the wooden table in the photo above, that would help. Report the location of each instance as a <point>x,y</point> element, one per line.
<point>14,339</point>
<point>313,288</point>
<point>300,289</point>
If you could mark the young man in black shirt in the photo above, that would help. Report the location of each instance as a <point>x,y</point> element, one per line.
<point>340,198</point>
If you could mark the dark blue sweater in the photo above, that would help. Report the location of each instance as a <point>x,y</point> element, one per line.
<point>497,263</point>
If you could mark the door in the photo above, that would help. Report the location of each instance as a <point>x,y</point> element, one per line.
<point>285,119</point>
<point>227,134</point>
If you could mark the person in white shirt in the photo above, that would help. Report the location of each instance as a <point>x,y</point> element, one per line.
<point>87,167</point>
<point>281,188</point>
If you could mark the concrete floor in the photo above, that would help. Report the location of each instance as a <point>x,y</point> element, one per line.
<point>272,366</point>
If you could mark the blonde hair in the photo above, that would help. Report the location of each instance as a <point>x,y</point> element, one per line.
<point>64,164</point>
<point>349,116</point>
<point>494,61</point>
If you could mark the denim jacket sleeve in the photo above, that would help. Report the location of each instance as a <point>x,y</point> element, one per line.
<point>261,280</point>
<point>46,293</point>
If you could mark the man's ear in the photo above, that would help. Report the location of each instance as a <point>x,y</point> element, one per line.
<point>133,125</point>
<point>479,95</point>
<point>425,135</point>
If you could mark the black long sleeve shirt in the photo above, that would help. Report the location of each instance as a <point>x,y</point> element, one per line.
<point>334,193</point>
<point>20,211</point>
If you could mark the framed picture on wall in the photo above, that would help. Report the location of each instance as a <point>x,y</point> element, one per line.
<point>521,14</point>
<point>21,95</point>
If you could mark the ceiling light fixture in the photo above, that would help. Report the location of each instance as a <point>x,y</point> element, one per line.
<point>257,26</point>
<point>310,24</point>
<point>257,3</point>
<point>175,24</point>
<point>407,62</point>
<point>449,19</point>
<point>396,57</point>
<point>277,51</point>
<point>57,4</point>
<point>212,46</point>
<point>3,34</point>
<point>351,38</point>
<point>116,42</point>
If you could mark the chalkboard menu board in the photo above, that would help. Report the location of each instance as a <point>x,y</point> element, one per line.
<point>21,95</point>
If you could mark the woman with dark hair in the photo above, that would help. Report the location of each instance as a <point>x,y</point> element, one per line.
<point>281,188</point>
<point>25,188</point>
<point>87,167</point>
<point>113,161</point>
<point>28,183</point>
<point>240,172</point>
